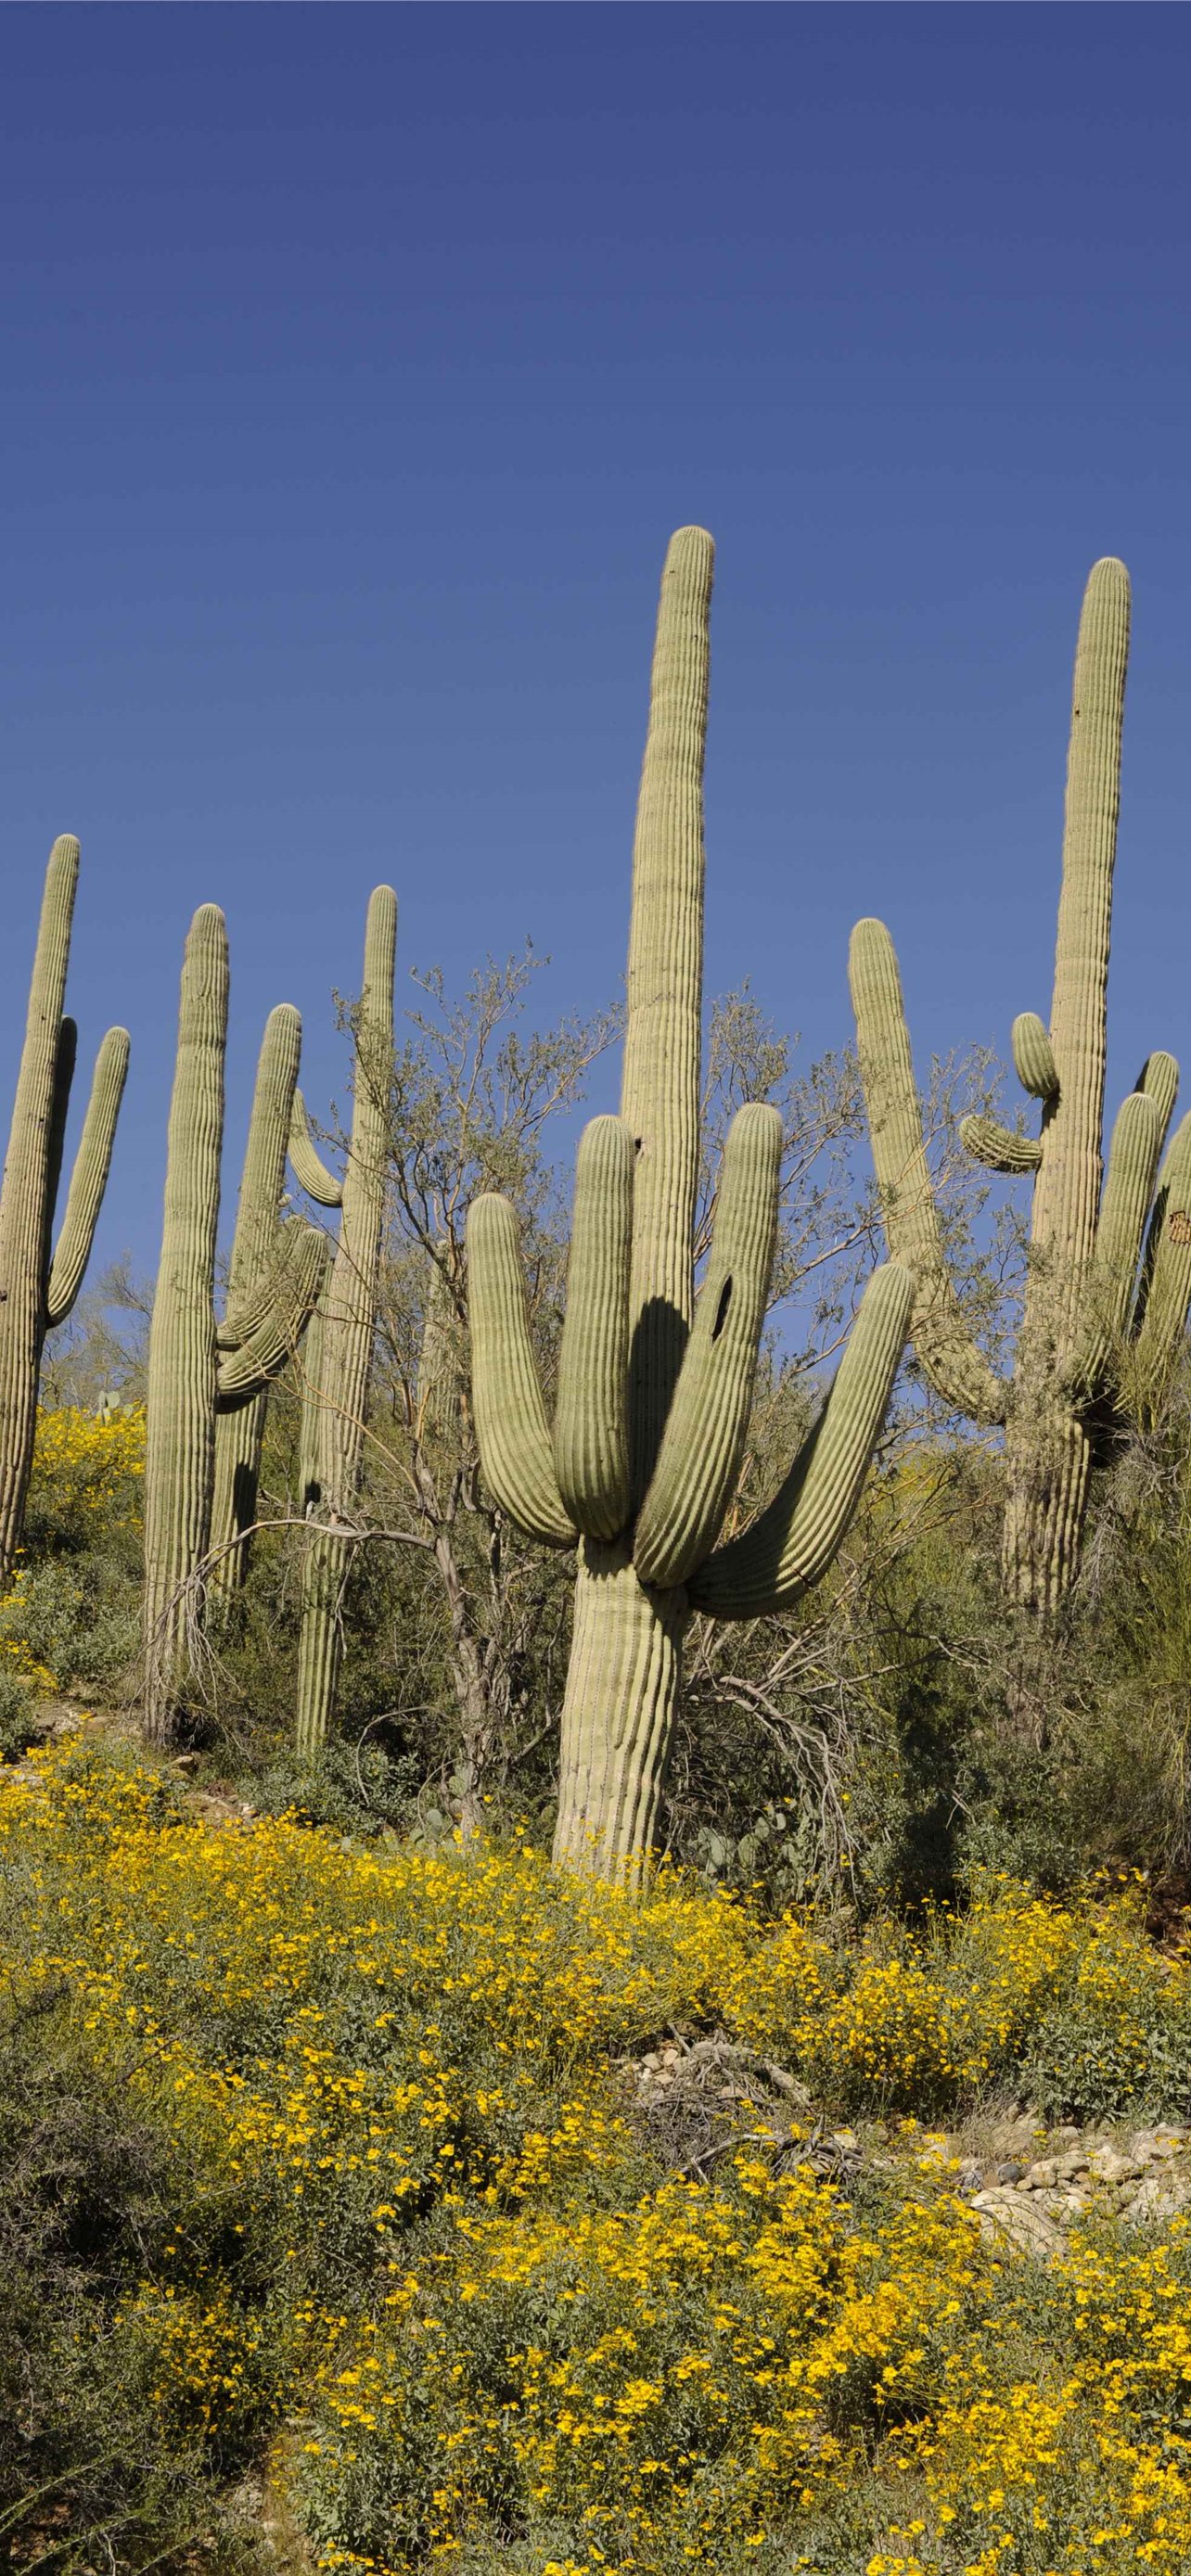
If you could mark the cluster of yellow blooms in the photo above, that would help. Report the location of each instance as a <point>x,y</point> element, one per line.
<point>89,1456</point>
<point>420,2253</point>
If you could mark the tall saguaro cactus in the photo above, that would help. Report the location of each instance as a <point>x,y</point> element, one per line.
<point>39,1284</point>
<point>200,1368</point>
<point>655,1389</point>
<point>338,1361</point>
<point>1083,1299</point>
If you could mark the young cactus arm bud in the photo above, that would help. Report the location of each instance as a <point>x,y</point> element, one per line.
<point>511,1429</point>
<point>999,1148</point>
<point>770,1565</point>
<point>1159,1079</point>
<point>1166,1281</point>
<point>1033,1057</point>
<point>88,1180</point>
<point>309,1169</point>
<point>298,1283</point>
<point>705,1433</point>
<point>591,1450</point>
<point>1128,1188</point>
<point>948,1355</point>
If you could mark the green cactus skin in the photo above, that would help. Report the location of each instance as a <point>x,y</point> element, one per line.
<point>334,1445</point>
<point>654,1389</point>
<point>591,1413</point>
<point>1033,1057</point>
<point>310,1171</point>
<point>707,1425</point>
<point>191,1377</point>
<point>999,1148</point>
<point>945,1349</point>
<point>1165,1291</point>
<point>239,1435</point>
<point>37,1288</point>
<point>180,1426</point>
<point>1080,1302</point>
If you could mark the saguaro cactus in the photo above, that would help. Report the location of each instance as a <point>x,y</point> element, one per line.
<point>654,1389</point>
<point>239,1435</point>
<point>337,1364</point>
<point>1082,1302</point>
<point>38,1285</point>
<point>198,1367</point>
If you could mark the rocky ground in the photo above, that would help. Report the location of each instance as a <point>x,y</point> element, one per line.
<point>699,2099</point>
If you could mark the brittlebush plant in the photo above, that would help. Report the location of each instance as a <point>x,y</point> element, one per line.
<point>404,2244</point>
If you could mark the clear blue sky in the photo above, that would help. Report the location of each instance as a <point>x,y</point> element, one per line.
<point>358,360</point>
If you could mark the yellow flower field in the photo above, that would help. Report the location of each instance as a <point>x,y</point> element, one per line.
<point>413,2245</point>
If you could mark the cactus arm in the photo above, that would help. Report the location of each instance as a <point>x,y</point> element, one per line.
<point>1067,1193</point>
<point>660,1088</point>
<point>770,1565</point>
<point>591,1459</point>
<point>703,1444</point>
<point>514,1442</point>
<point>338,1399</point>
<point>1128,1188</point>
<point>1159,1079</point>
<point>310,1171</point>
<point>1165,1291</point>
<point>948,1355</point>
<point>298,1282</point>
<point>88,1179</point>
<point>1033,1057</point>
<point>999,1148</point>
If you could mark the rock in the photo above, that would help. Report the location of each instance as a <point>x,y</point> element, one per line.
<point>1107,2166</point>
<point>1041,2176</point>
<point>1010,2172</point>
<point>1017,2217</point>
<point>1159,2195</point>
<point>1066,2137</point>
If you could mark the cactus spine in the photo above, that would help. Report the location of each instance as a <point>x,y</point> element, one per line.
<point>199,1368</point>
<point>336,1392</point>
<point>38,1287</point>
<point>1081,1302</point>
<point>654,1388</point>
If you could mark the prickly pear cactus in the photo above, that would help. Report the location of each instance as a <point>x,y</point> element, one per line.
<point>1085,1304</point>
<point>655,1388</point>
<point>38,1285</point>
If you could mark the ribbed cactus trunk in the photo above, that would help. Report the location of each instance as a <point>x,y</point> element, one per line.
<point>336,1401</point>
<point>180,1427</point>
<point>623,1678</point>
<point>37,1290</point>
<point>200,1370</point>
<point>1048,1448</point>
<point>654,1389</point>
<point>239,1436</point>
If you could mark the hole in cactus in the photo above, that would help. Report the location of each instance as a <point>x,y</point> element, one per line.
<point>721,1312</point>
<point>638,1141</point>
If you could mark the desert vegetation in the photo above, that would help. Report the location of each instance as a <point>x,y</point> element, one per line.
<point>594,1811</point>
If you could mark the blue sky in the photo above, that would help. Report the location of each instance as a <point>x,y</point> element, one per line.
<point>356,362</point>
